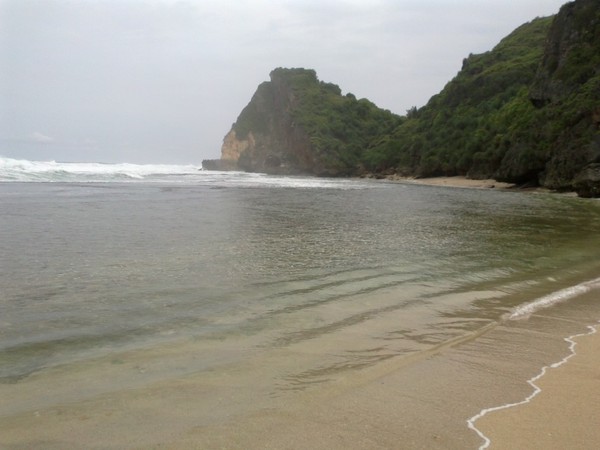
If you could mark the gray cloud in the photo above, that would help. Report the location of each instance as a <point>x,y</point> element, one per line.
<point>162,81</point>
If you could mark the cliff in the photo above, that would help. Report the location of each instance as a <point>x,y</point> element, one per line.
<point>571,55</point>
<point>526,112</point>
<point>295,123</point>
<point>265,137</point>
<point>464,130</point>
<point>566,93</point>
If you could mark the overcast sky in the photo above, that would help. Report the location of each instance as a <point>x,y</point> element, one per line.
<point>161,81</point>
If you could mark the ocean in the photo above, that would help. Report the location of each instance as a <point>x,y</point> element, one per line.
<point>117,278</point>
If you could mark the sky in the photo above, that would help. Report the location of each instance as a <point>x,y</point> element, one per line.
<point>162,81</point>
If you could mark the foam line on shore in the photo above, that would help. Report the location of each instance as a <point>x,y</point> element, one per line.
<point>527,309</point>
<point>531,382</point>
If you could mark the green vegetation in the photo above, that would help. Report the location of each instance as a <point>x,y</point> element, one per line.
<point>526,112</point>
<point>465,129</point>
<point>339,127</point>
<point>252,117</point>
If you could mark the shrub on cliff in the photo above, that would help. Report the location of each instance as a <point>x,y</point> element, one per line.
<point>526,112</point>
<point>307,125</point>
<point>340,127</point>
<point>466,128</point>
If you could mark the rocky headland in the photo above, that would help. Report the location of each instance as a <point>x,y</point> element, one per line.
<point>527,112</point>
<point>297,124</point>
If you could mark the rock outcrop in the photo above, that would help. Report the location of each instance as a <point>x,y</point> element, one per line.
<point>566,91</point>
<point>265,137</point>
<point>587,182</point>
<point>571,54</point>
<point>222,165</point>
<point>526,112</point>
<point>296,124</point>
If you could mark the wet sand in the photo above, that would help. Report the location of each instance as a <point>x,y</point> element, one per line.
<point>419,401</point>
<point>564,414</point>
<point>460,182</point>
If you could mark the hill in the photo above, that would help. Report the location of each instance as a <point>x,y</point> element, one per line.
<point>526,112</point>
<point>298,124</point>
<point>465,129</point>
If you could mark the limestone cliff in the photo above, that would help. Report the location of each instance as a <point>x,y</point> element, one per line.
<point>265,138</point>
<point>295,123</point>
<point>233,147</point>
<point>526,112</point>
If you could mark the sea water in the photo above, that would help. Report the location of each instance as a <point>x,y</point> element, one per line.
<point>195,273</point>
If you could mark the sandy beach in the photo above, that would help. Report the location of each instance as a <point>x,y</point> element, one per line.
<point>459,182</point>
<point>564,414</point>
<point>420,402</point>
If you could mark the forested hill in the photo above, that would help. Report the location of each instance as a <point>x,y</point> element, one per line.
<point>469,127</point>
<point>298,124</point>
<point>527,112</point>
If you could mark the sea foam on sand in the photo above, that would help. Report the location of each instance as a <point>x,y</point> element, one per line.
<point>533,382</point>
<point>525,311</point>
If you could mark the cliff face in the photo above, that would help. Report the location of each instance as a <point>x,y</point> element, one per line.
<point>265,137</point>
<point>526,112</point>
<point>571,54</point>
<point>298,124</point>
<point>233,147</point>
<point>566,92</point>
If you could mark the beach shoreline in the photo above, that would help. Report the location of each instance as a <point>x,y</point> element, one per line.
<point>562,410</point>
<point>421,402</point>
<point>455,181</point>
<point>392,349</point>
<point>463,182</point>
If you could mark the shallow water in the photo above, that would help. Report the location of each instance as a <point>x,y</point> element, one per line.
<point>277,285</point>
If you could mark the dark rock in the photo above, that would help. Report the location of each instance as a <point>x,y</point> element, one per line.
<point>219,164</point>
<point>569,55</point>
<point>587,182</point>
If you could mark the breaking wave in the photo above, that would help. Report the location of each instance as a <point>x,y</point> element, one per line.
<point>52,171</point>
<point>21,170</point>
<point>562,295</point>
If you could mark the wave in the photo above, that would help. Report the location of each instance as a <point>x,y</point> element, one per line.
<point>21,170</point>
<point>52,171</point>
<point>562,295</point>
<point>523,312</point>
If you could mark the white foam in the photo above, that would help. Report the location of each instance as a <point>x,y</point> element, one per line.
<point>52,171</point>
<point>25,170</point>
<point>531,382</point>
<point>527,309</point>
